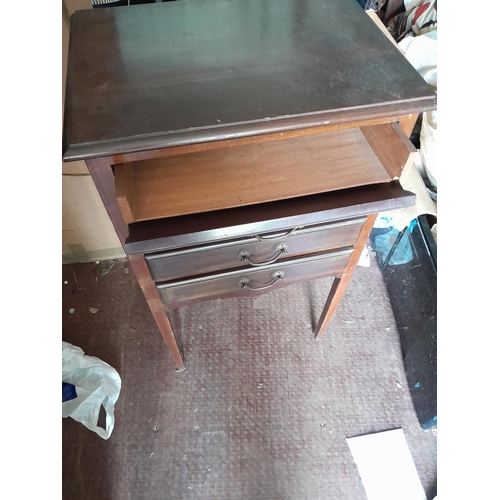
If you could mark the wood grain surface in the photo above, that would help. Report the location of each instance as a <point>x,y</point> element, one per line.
<point>251,174</point>
<point>392,147</point>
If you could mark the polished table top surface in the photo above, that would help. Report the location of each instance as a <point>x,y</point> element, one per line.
<point>166,74</point>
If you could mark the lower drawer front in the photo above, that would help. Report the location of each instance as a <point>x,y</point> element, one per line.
<point>250,282</point>
<point>252,251</point>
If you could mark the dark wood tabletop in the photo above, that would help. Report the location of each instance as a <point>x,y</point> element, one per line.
<point>167,74</point>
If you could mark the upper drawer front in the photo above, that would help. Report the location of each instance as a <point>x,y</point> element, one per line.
<point>248,282</point>
<point>253,251</point>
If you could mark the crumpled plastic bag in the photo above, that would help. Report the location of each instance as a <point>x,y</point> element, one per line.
<point>88,384</point>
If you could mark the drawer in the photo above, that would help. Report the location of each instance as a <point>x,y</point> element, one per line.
<point>164,235</point>
<point>253,251</point>
<point>249,282</point>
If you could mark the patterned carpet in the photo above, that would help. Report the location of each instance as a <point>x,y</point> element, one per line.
<point>262,411</point>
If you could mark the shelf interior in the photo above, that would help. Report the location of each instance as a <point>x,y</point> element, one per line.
<point>227,177</point>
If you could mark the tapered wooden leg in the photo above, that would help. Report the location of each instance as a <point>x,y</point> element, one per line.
<point>104,180</point>
<point>339,285</point>
<point>141,271</point>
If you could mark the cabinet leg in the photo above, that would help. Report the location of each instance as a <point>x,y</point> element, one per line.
<point>141,271</point>
<point>104,180</point>
<point>339,285</point>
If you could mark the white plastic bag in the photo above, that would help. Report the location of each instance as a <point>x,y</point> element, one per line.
<point>421,52</point>
<point>95,383</point>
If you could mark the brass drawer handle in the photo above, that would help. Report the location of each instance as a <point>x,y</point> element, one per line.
<point>277,276</point>
<point>275,236</point>
<point>244,256</point>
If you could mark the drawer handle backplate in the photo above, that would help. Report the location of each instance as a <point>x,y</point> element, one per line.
<point>275,236</point>
<point>277,276</point>
<point>244,256</point>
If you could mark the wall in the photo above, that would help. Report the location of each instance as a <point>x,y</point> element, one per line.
<point>87,232</point>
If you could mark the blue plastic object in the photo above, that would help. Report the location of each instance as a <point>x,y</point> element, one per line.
<point>68,392</point>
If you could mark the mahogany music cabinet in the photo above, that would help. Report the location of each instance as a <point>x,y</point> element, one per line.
<point>240,146</point>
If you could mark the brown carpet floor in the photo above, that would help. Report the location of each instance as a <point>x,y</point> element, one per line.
<point>262,411</point>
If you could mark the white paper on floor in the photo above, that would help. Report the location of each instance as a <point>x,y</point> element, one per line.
<point>364,259</point>
<point>386,466</point>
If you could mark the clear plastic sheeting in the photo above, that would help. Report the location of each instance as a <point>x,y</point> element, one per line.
<point>421,52</point>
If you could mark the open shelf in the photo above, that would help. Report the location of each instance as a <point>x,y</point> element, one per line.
<point>227,177</point>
